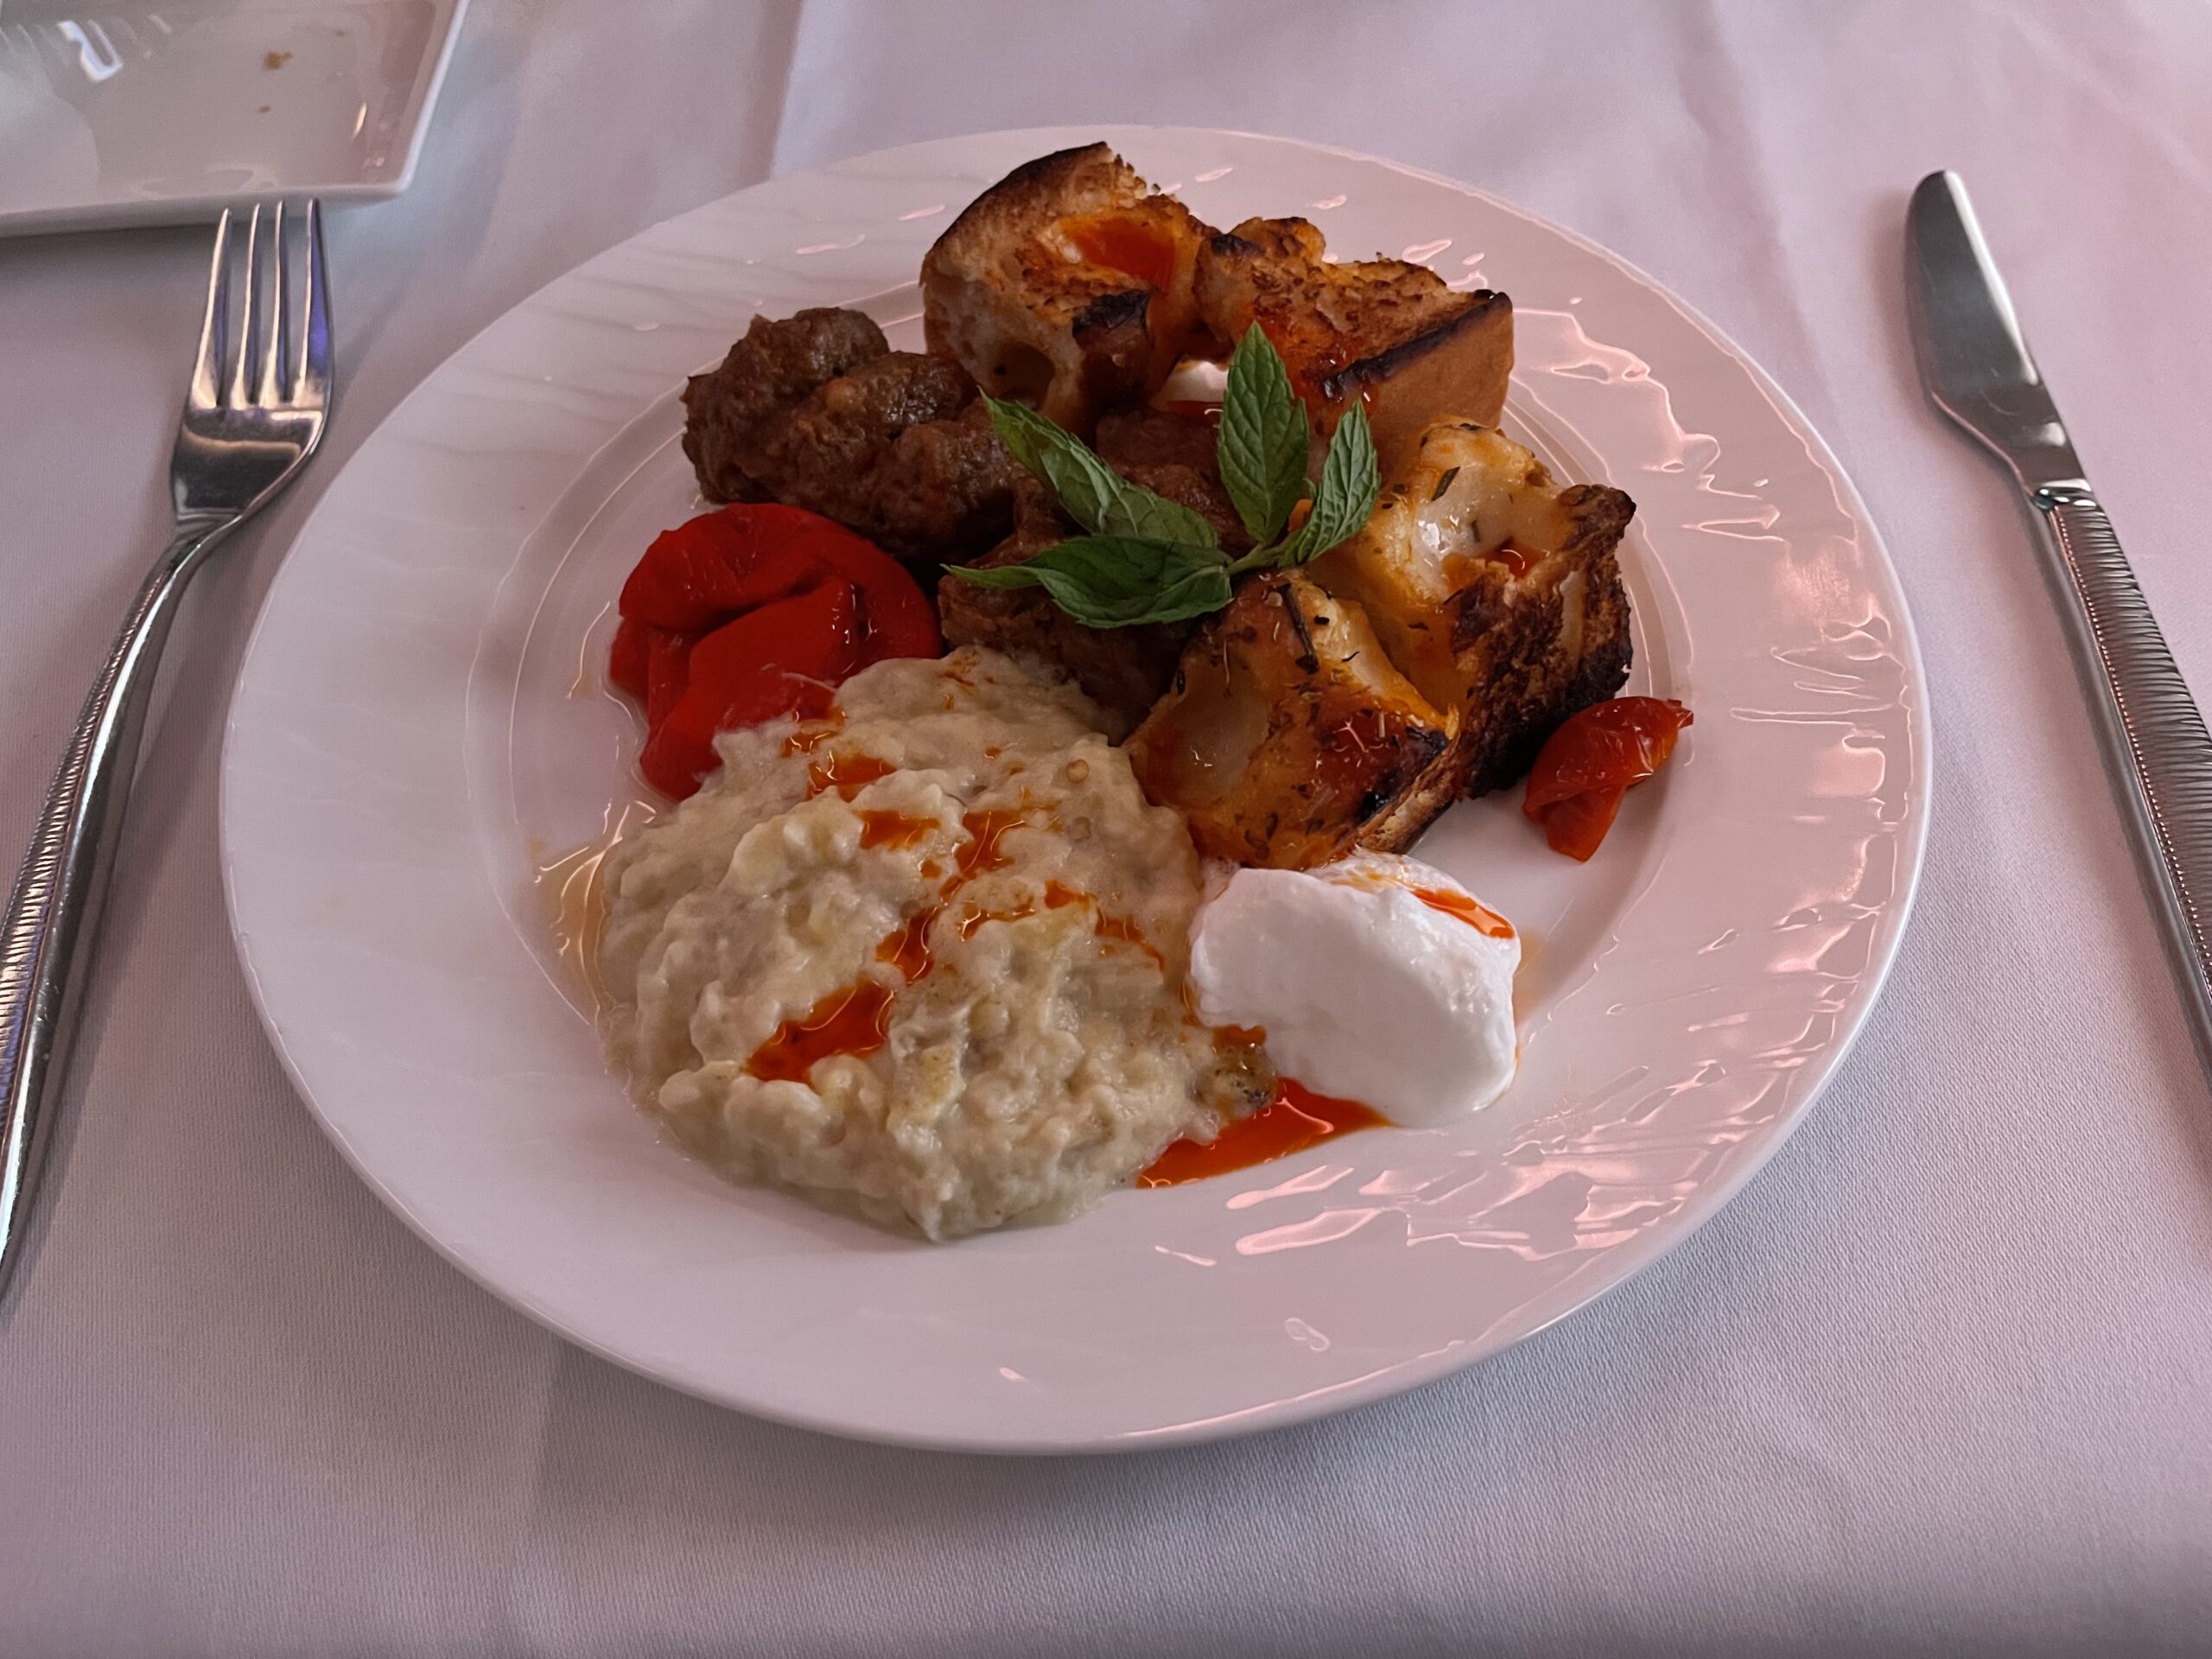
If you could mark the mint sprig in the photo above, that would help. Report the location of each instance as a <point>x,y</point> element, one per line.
<point>1344,496</point>
<point>1116,581</point>
<point>1148,559</point>
<point>1094,494</point>
<point>1263,440</point>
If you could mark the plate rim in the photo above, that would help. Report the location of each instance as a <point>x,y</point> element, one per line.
<point>1600,1278</point>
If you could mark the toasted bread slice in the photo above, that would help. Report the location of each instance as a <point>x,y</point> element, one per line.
<point>1382,331</point>
<point>1287,736</point>
<point>1426,659</point>
<point>1497,593</point>
<point>1067,284</point>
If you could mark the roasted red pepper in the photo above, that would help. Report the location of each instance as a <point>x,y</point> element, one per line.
<point>1592,761</point>
<point>721,564</point>
<point>629,660</point>
<point>749,612</point>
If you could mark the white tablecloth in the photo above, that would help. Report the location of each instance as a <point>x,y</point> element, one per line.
<point>1936,1382</point>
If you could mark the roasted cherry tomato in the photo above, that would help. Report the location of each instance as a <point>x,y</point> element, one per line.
<point>1592,761</point>
<point>749,612</point>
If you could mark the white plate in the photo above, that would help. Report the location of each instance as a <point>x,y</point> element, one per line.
<point>418,723</point>
<point>163,111</point>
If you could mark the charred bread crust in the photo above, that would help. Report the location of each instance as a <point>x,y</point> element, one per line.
<point>1387,333</point>
<point>1287,736</point>
<point>1461,365</point>
<point>1498,594</point>
<point>1115,346</point>
<point>1354,378</point>
<point>1013,291</point>
<point>1037,184</point>
<point>1108,316</point>
<point>1532,690</point>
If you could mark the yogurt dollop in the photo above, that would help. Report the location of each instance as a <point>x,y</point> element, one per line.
<point>1377,978</point>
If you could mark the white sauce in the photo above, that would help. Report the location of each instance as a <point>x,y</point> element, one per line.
<point>1366,991</point>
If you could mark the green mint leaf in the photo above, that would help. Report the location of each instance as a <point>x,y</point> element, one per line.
<point>1198,591</point>
<point>1086,485</point>
<point>1089,489</point>
<point>1022,429</point>
<point>1117,581</point>
<point>996,575</point>
<point>1093,493</point>
<point>1263,440</point>
<point>1137,512</point>
<point>1345,497</point>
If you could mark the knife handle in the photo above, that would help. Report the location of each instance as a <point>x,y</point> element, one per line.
<point>2154,738</point>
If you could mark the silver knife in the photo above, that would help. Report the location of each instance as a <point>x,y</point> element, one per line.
<point>1980,372</point>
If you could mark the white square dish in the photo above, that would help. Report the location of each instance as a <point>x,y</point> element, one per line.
<point>164,111</point>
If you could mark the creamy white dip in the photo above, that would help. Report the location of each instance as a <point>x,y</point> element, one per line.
<point>925,959</point>
<point>1377,978</point>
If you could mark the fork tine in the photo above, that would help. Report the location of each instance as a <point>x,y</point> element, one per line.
<point>214,327</point>
<point>275,377</point>
<point>313,384</point>
<point>241,361</point>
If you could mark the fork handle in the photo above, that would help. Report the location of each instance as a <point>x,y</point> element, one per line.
<point>54,907</point>
<point>2155,742</point>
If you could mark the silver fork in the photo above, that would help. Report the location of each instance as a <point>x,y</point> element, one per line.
<point>259,396</point>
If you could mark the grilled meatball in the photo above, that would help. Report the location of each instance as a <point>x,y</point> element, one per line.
<point>818,412</point>
<point>733,413</point>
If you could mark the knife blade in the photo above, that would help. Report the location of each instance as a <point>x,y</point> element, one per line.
<point>1979,370</point>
